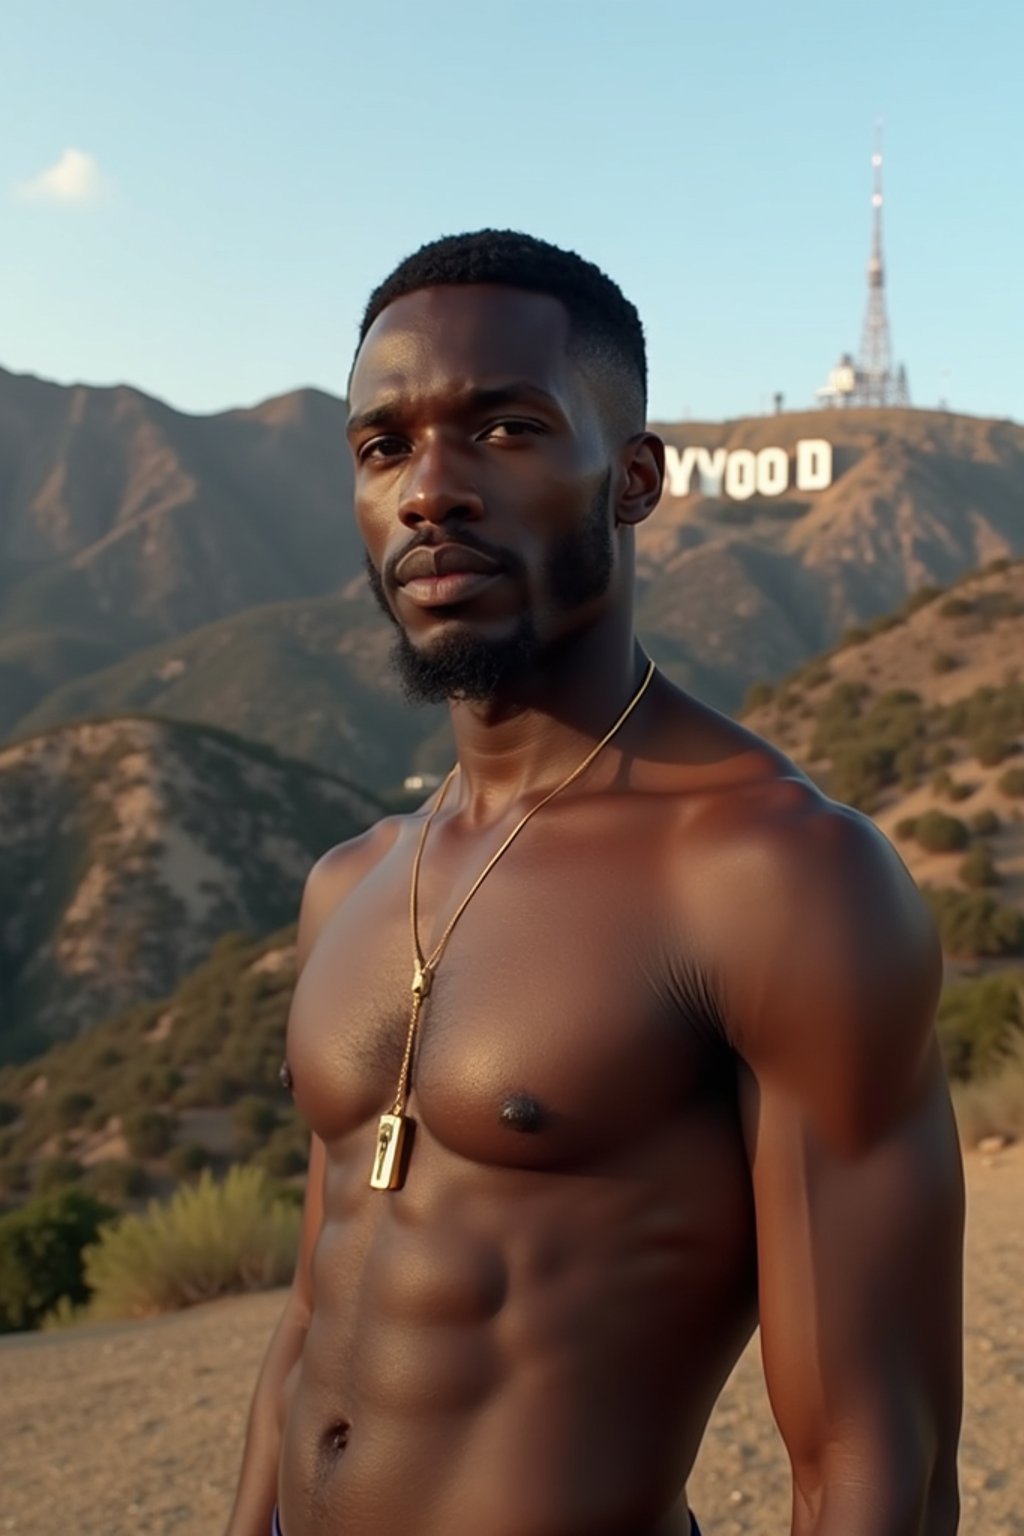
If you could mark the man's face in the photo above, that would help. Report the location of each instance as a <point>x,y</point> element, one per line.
<point>483,485</point>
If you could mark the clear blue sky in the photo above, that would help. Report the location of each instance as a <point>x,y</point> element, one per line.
<point>255,168</point>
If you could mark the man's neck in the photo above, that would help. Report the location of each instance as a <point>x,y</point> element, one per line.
<point>522,743</point>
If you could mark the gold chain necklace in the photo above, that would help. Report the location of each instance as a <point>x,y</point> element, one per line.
<point>388,1169</point>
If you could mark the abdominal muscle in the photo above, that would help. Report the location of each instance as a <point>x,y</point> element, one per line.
<point>512,1352</point>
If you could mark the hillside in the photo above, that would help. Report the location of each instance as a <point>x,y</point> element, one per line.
<point>921,722</point>
<point>127,847</point>
<point>190,566</point>
<point>310,678</point>
<point>124,522</point>
<point>196,1069</point>
<point>751,588</point>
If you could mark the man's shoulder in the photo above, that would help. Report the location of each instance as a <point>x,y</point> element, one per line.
<point>805,916</point>
<point>741,794</point>
<point>336,874</point>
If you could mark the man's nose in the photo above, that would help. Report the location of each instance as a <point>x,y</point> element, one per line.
<point>436,489</point>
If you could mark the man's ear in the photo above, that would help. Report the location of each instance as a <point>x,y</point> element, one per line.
<point>641,475</point>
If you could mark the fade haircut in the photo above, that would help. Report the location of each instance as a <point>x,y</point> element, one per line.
<point>605,331</point>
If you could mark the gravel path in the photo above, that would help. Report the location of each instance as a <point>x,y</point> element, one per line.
<point>136,1429</point>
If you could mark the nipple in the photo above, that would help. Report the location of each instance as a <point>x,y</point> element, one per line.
<point>522,1112</point>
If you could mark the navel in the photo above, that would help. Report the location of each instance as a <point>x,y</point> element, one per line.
<point>522,1112</point>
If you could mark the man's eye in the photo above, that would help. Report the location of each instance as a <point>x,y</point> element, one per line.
<point>512,428</point>
<point>381,448</point>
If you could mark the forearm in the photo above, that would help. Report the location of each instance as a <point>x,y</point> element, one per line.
<point>257,1483</point>
<point>885,1499</point>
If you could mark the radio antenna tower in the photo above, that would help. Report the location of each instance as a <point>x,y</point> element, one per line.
<point>871,380</point>
<point>879,386</point>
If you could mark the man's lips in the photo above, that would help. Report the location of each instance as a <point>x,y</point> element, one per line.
<point>443,591</point>
<point>427,563</point>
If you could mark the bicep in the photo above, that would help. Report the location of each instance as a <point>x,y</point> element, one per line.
<point>859,1254</point>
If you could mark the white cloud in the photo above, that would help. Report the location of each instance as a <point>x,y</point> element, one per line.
<point>74,178</point>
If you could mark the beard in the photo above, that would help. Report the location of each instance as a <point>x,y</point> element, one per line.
<point>467,666</point>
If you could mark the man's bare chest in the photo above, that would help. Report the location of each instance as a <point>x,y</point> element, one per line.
<point>550,1035</point>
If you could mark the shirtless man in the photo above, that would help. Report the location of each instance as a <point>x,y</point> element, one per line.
<point>675,1072</point>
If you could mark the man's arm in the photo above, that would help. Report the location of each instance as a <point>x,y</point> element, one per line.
<point>330,880</point>
<point>857,1179</point>
<point>257,1484</point>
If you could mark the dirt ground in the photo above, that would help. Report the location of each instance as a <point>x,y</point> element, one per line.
<point>136,1429</point>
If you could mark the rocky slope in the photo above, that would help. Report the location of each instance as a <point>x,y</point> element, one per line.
<point>750,588</point>
<point>123,521</point>
<point>127,847</point>
<point>924,716</point>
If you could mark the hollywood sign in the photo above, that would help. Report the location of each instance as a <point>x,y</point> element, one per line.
<point>743,473</point>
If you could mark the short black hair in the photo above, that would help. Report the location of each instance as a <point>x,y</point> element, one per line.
<point>605,329</point>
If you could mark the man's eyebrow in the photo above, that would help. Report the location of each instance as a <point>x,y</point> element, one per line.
<point>388,412</point>
<point>380,416</point>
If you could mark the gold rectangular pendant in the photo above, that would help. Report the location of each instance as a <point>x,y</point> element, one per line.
<point>387,1156</point>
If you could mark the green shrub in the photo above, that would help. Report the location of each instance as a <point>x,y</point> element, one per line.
<point>117,1180</point>
<point>994,1105</point>
<point>979,1022</point>
<point>910,763</point>
<point>148,1132</point>
<point>998,605</point>
<point>940,833</point>
<point>254,1117</point>
<point>985,823</point>
<point>188,1159</point>
<point>988,711</point>
<point>943,662</point>
<point>1012,782</point>
<point>955,608</point>
<point>209,1240</point>
<point>942,754</point>
<point>978,870</point>
<point>973,926</point>
<point>154,1085</point>
<point>757,695</point>
<point>855,635</point>
<point>859,773</point>
<point>921,598</point>
<point>907,827</point>
<point>41,1248</point>
<point>209,1089</point>
<point>72,1107</point>
<point>992,748</point>
<point>56,1173</point>
<point>287,1151</point>
<point>958,790</point>
<point>816,673</point>
<point>14,1177</point>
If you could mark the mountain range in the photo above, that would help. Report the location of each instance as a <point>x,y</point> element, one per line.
<point>207,568</point>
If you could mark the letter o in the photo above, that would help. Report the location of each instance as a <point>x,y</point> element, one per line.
<point>740,474</point>
<point>772,472</point>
